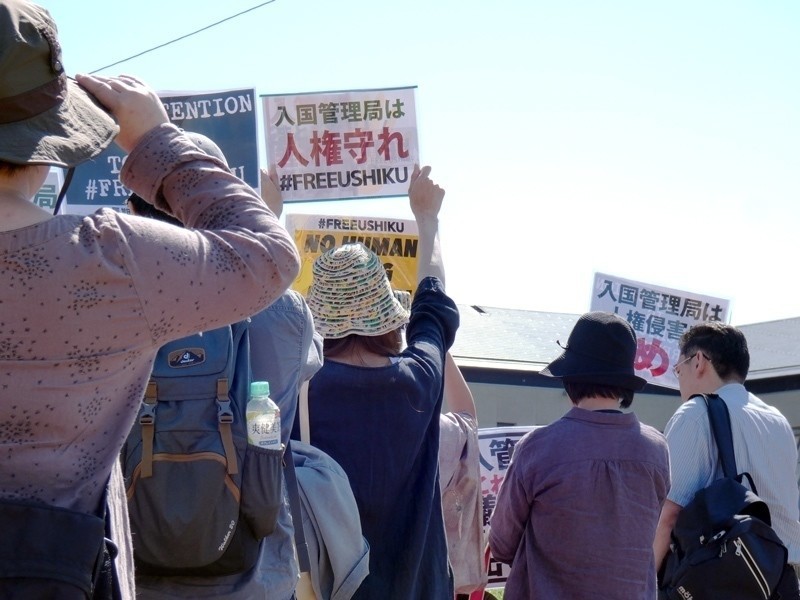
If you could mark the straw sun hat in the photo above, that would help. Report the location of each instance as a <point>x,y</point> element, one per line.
<point>351,293</point>
<point>45,117</point>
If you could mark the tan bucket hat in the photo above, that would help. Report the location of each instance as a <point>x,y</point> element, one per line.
<point>45,117</point>
<point>351,293</point>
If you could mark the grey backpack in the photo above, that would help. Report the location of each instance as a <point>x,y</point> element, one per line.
<point>200,498</point>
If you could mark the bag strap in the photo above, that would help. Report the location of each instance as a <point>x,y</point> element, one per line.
<point>225,419</point>
<point>720,421</point>
<point>147,419</point>
<point>63,191</point>
<point>112,550</point>
<point>305,429</point>
<point>297,516</point>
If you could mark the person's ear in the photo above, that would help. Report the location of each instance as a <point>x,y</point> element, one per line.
<point>702,365</point>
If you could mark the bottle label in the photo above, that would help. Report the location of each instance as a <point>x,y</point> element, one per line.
<point>263,430</point>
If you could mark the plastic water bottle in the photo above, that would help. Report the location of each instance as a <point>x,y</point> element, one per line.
<point>263,418</point>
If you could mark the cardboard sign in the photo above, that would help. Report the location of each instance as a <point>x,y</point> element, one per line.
<point>395,241</point>
<point>659,316</point>
<point>48,194</point>
<point>346,144</point>
<point>227,117</point>
<point>496,446</point>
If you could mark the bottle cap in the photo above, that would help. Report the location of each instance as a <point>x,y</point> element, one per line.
<point>259,388</point>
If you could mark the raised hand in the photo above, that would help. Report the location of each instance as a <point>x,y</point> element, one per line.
<point>425,196</point>
<point>135,106</point>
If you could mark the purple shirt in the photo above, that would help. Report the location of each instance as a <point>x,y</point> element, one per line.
<point>577,512</point>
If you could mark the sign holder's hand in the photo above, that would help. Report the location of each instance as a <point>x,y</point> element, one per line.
<point>136,107</point>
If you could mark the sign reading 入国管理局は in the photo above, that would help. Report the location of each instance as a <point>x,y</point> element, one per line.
<point>659,316</point>
<point>345,144</point>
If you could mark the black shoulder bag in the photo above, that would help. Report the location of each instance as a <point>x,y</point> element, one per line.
<point>723,545</point>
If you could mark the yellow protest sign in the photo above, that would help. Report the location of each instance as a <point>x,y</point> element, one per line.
<point>395,241</point>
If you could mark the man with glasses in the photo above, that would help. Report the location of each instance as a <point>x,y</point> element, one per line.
<point>714,359</point>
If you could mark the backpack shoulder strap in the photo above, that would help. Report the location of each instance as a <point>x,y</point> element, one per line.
<point>112,551</point>
<point>720,422</point>
<point>305,429</point>
<point>297,516</point>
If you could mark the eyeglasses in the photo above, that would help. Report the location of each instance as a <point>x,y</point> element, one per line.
<point>685,360</point>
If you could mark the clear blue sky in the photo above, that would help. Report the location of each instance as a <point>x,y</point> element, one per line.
<point>655,142</point>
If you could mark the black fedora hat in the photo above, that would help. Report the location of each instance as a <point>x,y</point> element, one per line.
<point>601,349</point>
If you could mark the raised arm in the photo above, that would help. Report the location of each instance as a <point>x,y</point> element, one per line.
<point>456,391</point>
<point>270,193</point>
<point>426,200</point>
<point>233,254</point>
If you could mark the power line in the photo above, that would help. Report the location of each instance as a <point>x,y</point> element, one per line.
<point>183,37</point>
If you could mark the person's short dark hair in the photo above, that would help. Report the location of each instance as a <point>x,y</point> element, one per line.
<point>386,344</point>
<point>10,169</point>
<point>142,208</point>
<point>724,345</point>
<point>580,390</point>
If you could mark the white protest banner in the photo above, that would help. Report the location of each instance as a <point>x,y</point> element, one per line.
<point>496,445</point>
<point>395,241</point>
<point>48,193</point>
<point>344,144</point>
<point>659,316</point>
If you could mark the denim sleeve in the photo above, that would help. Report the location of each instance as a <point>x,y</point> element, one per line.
<point>285,350</point>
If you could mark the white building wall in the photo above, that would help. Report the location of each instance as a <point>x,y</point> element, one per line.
<point>527,405</point>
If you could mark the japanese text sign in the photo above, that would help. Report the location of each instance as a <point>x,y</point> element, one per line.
<point>395,241</point>
<point>349,144</point>
<point>48,194</point>
<point>496,445</point>
<point>227,117</point>
<point>659,316</point>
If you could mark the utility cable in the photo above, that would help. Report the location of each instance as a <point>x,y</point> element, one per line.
<point>183,37</point>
